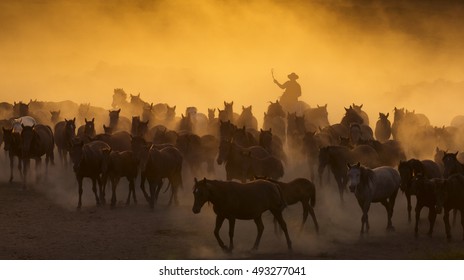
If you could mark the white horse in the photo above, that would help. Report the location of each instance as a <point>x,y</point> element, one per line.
<point>22,121</point>
<point>374,185</point>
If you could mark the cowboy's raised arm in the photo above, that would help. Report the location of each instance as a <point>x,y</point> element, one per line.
<point>279,84</point>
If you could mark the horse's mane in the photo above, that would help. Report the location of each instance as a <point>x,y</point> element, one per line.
<point>367,175</point>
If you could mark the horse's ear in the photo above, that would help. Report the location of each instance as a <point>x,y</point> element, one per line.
<point>358,164</point>
<point>119,110</point>
<point>325,105</point>
<point>195,179</point>
<point>85,120</point>
<point>65,120</point>
<point>261,130</point>
<point>348,165</point>
<point>270,129</point>
<point>455,154</point>
<point>360,107</point>
<point>93,119</point>
<point>204,180</point>
<point>74,120</point>
<point>346,109</point>
<point>437,150</point>
<point>388,114</point>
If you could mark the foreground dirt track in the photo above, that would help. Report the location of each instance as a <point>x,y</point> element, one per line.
<point>42,223</point>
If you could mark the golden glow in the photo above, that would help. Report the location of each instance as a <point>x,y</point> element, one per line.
<point>204,52</point>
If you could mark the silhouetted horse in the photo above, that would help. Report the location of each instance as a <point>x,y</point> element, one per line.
<point>21,122</point>
<point>424,189</point>
<point>233,200</point>
<point>87,131</point>
<point>161,135</point>
<point>157,164</point>
<point>55,116</point>
<point>272,144</point>
<point>409,169</point>
<point>116,165</point>
<point>268,167</point>
<point>117,122</point>
<point>36,141</point>
<point>87,162</point>
<point>336,157</point>
<point>374,185</point>
<point>316,118</point>
<point>233,155</point>
<point>383,129</point>
<point>452,165</point>
<point>247,119</point>
<point>300,190</point>
<point>197,150</point>
<point>360,132</point>
<point>230,115</point>
<point>361,113</point>
<point>450,195</point>
<point>226,130</point>
<point>244,137</point>
<point>13,147</point>
<point>351,116</point>
<point>65,131</point>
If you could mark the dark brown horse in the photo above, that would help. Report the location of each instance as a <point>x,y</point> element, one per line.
<point>13,147</point>
<point>87,131</point>
<point>65,131</point>
<point>450,195</point>
<point>409,169</point>
<point>157,164</point>
<point>36,141</point>
<point>233,200</point>
<point>120,164</point>
<point>424,189</point>
<point>87,162</point>
<point>300,190</point>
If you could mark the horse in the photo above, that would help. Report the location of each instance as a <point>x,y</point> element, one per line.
<point>300,190</point>
<point>230,115</point>
<point>374,185</point>
<point>36,141</point>
<point>358,109</point>
<point>233,200</point>
<point>449,194</point>
<point>360,132</point>
<point>247,119</point>
<point>452,165</point>
<point>383,128</point>
<point>64,133</point>
<point>156,164</point>
<point>197,150</point>
<point>244,137</point>
<point>55,117</point>
<point>13,147</point>
<point>118,141</point>
<point>87,131</point>
<point>117,122</point>
<point>87,162</point>
<point>424,189</point>
<point>226,130</point>
<point>272,143</point>
<point>232,155</point>
<point>116,165</point>
<point>317,117</point>
<point>269,166</point>
<point>351,116</point>
<point>336,157</point>
<point>409,169</point>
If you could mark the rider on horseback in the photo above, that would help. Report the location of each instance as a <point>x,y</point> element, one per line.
<point>292,91</point>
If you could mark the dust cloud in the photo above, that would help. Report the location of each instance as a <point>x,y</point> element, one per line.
<point>201,53</point>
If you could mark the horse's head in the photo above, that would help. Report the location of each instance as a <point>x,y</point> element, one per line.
<point>55,116</point>
<point>76,154</point>
<point>406,175</point>
<point>201,194</point>
<point>211,114</point>
<point>265,138</point>
<point>450,163</point>
<point>108,129</point>
<point>170,112</point>
<point>354,175</point>
<point>114,115</point>
<point>383,117</point>
<point>225,147</point>
<point>275,109</point>
<point>89,128</point>
<point>226,130</point>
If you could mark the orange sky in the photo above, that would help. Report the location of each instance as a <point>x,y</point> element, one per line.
<point>379,53</point>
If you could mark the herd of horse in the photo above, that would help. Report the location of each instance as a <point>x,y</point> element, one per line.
<point>148,142</point>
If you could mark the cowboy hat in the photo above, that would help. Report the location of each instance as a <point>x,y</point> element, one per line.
<point>293,76</point>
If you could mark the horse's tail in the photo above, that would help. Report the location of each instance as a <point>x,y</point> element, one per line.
<point>282,199</point>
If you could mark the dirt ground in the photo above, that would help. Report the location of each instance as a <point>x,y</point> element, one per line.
<point>42,222</point>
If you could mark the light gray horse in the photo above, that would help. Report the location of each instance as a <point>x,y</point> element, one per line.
<point>374,185</point>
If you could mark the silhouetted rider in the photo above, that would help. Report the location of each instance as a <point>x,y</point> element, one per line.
<point>292,91</point>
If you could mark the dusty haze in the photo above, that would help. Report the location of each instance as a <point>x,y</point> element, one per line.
<point>379,53</point>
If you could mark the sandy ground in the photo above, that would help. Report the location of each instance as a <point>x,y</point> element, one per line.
<point>42,222</point>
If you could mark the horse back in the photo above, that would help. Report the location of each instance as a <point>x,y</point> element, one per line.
<point>386,181</point>
<point>431,169</point>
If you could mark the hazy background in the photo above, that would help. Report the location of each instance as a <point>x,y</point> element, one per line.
<point>379,53</point>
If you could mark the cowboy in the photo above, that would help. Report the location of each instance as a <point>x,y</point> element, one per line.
<point>292,91</point>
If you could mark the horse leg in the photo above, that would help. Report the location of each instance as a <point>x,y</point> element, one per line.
<point>313,215</point>
<point>159,186</point>
<point>94,189</point>
<point>306,207</point>
<point>340,188</point>
<point>447,224</point>
<point>418,210</point>
<point>38,164</point>
<point>231,233</point>
<point>11,167</point>
<point>114,184</point>
<point>101,189</point>
<point>408,199</point>
<point>432,218</point>
<point>278,215</point>
<point>26,166</point>
<point>142,186</point>
<point>131,190</point>
<point>462,223</point>
<point>217,227</point>
<point>455,213</point>
<point>151,184</point>
<point>79,182</point>
<point>364,218</point>
<point>260,227</point>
